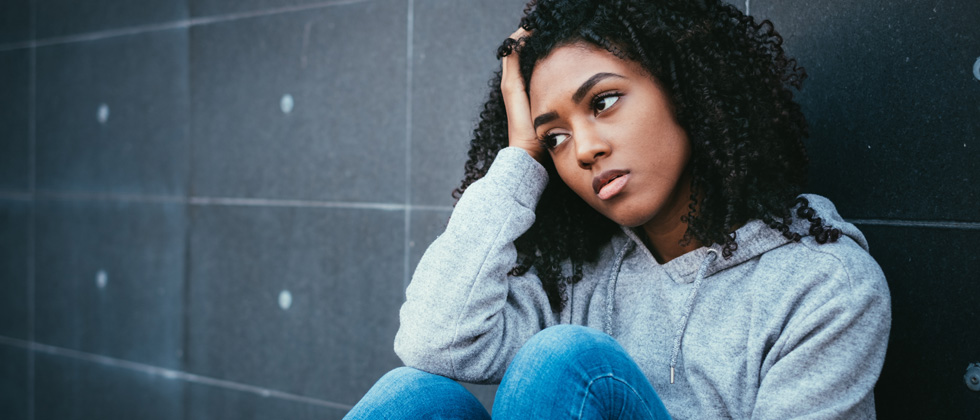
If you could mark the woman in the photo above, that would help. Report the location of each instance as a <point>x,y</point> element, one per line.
<point>630,241</point>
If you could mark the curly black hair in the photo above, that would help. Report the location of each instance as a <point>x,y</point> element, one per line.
<point>729,82</point>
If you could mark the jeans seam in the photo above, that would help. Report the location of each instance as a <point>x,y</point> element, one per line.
<point>612,376</point>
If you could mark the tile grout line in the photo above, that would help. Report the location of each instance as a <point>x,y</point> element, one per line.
<point>410,23</point>
<point>206,20</point>
<point>217,201</point>
<point>32,225</point>
<point>262,202</point>
<point>166,373</point>
<point>177,24</point>
<point>417,207</point>
<point>188,193</point>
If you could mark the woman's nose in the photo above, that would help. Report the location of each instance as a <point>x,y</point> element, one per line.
<point>589,146</point>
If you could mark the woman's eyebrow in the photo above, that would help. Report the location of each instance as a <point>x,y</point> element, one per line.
<point>582,90</point>
<point>577,97</point>
<point>544,119</point>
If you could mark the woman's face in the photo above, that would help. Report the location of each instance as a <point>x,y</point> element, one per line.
<point>612,135</point>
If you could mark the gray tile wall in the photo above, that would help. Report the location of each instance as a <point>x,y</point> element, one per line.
<point>211,208</point>
<point>109,278</point>
<point>15,68</point>
<point>112,115</point>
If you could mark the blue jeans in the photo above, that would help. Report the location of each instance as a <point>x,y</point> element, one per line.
<point>562,372</point>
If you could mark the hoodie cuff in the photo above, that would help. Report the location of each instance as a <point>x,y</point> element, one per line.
<point>515,170</point>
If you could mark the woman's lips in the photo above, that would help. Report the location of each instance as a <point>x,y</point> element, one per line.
<point>610,183</point>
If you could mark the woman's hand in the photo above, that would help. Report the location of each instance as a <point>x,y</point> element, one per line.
<point>520,130</point>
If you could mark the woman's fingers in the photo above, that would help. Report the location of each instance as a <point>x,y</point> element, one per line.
<point>520,130</point>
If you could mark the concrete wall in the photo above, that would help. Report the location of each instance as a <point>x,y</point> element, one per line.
<point>210,208</point>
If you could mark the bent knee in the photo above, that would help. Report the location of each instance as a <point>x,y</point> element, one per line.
<point>569,340</point>
<point>403,373</point>
<point>410,393</point>
<point>574,335</point>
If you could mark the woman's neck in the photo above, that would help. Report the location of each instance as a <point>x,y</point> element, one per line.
<point>663,233</point>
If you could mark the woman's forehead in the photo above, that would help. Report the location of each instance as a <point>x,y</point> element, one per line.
<point>567,67</point>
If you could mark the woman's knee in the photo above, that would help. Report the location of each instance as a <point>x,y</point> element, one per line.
<point>411,393</point>
<point>565,366</point>
<point>405,375</point>
<point>569,340</point>
<point>565,348</point>
<point>406,380</point>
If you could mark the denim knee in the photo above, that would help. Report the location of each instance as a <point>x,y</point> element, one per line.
<point>408,393</point>
<point>568,341</point>
<point>408,381</point>
<point>569,371</point>
<point>403,375</point>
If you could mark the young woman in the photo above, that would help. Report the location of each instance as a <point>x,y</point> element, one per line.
<point>630,241</point>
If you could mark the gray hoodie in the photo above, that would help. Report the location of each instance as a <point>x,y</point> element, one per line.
<point>780,330</point>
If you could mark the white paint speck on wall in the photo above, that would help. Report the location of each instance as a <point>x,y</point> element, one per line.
<point>285,299</point>
<point>102,115</point>
<point>286,103</point>
<point>101,279</point>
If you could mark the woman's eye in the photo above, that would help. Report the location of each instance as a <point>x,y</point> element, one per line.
<point>553,140</point>
<point>603,103</point>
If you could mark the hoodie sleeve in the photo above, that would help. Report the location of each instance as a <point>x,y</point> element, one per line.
<point>464,317</point>
<point>825,363</point>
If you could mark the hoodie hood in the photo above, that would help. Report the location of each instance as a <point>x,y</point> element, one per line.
<point>754,238</point>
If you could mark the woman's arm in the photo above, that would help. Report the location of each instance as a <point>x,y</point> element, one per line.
<point>464,316</point>
<point>827,360</point>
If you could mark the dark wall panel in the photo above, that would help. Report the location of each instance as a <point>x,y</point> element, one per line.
<point>15,21</point>
<point>73,389</point>
<point>112,115</point>
<point>69,17</point>
<point>15,146</point>
<point>343,137</point>
<point>935,316</point>
<point>110,279</point>
<point>454,54</point>
<point>225,7</point>
<point>331,338</point>
<point>14,382</point>
<point>892,101</point>
<point>15,222</point>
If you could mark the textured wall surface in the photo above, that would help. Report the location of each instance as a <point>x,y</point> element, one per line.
<point>210,208</point>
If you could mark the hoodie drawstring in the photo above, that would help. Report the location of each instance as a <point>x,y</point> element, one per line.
<point>607,323</point>
<point>689,307</point>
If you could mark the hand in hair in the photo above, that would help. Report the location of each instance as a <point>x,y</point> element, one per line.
<point>520,131</point>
